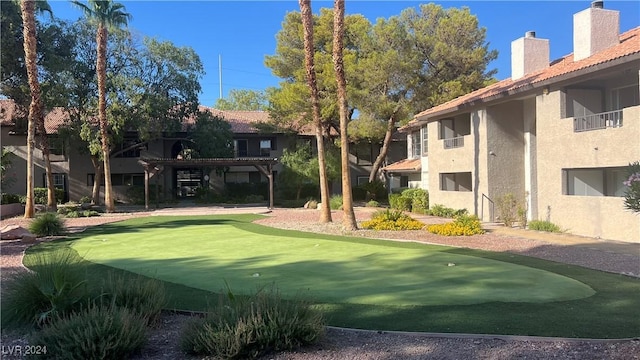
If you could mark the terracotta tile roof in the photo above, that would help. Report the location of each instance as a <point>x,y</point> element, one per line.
<point>629,47</point>
<point>242,121</point>
<point>52,121</point>
<point>406,165</point>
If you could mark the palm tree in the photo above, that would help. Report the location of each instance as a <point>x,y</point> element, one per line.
<point>28,9</point>
<point>338,65</point>
<point>108,15</point>
<point>307,26</point>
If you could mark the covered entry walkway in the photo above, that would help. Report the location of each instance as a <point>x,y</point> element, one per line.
<point>156,166</point>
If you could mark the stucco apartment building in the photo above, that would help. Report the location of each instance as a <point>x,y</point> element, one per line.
<point>558,134</point>
<point>74,172</point>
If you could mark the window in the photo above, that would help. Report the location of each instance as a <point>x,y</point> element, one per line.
<point>625,97</point>
<point>425,141</point>
<point>362,152</point>
<point>594,182</point>
<point>135,179</point>
<point>415,144</point>
<point>241,148</point>
<point>58,180</point>
<point>56,146</point>
<point>363,180</point>
<point>265,147</point>
<point>455,181</point>
<point>129,148</point>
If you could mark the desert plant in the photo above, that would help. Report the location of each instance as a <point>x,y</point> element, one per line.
<point>543,225</point>
<point>522,215</point>
<point>248,327</point>
<point>463,225</point>
<point>373,203</point>
<point>95,332</point>
<point>335,202</point>
<point>142,295</point>
<point>507,205</point>
<point>56,286</point>
<point>632,194</point>
<point>47,224</point>
<point>399,202</point>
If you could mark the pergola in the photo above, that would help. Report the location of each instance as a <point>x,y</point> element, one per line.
<point>156,166</point>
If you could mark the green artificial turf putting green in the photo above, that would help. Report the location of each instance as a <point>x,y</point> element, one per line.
<point>207,252</point>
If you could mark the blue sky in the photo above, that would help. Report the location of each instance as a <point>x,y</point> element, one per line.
<point>243,32</point>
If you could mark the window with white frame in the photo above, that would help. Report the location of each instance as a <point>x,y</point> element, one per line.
<point>460,181</point>
<point>415,144</point>
<point>265,147</point>
<point>624,97</point>
<point>425,141</point>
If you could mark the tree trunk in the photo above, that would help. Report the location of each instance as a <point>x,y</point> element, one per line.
<point>97,180</point>
<point>386,143</point>
<point>101,70</point>
<point>44,145</point>
<point>27,9</point>
<point>349,221</point>
<point>307,25</point>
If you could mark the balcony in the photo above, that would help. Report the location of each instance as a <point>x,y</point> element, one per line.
<point>610,119</point>
<point>455,142</point>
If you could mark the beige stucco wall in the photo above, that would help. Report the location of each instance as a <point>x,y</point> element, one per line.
<point>558,147</point>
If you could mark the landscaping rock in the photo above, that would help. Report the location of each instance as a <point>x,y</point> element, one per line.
<point>28,238</point>
<point>13,232</point>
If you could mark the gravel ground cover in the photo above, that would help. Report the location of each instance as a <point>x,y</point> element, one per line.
<point>369,345</point>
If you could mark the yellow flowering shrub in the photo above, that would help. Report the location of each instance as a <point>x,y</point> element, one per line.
<point>392,220</point>
<point>463,225</point>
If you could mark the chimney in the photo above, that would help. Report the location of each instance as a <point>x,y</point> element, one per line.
<point>594,29</point>
<point>528,54</point>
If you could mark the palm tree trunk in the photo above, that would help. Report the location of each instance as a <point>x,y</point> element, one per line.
<point>307,25</point>
<point>27,8</point>
<point>349,221</point>
<point>101,70</point>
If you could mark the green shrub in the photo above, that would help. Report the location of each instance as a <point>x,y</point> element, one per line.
<point>10,199</point>
<point>358,193</point>
<point>95,332</point>
<point>47,224</point>
<point>335,202</point>
<point>419,199</point>
<point>135,194</point>
<point>249,327</point>
<point>463,225</point>
<point>374,190</point>
<point>373,203</point>
<point>40,195</point>
<point>254,199</point>
<point>392,220</point>
<point>542,225</point>
<point>442,211</point>
<point>56,286</point>
<point>141,295</point>
<point>86,199</point>
<point>399,202</point>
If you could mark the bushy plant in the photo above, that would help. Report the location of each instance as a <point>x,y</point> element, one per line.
<point>463,225</point>
<point>632,193</point>
<point>10,199</point>
<point>507,209</point>
<point>419,199</point>
<point>335,202</point>
<point>141,295</point>
<point>95,332</point>
<point>399,202</point>
<point>374,190</point>
<point>56,286</point>
<point>47,224</point>
<point>542,225</point>
<point>254,199</point>
<point>248,327</point>
<point>392,220</point>
<point>373,203</point>
<point>40,196</point>
<point>443,211</point>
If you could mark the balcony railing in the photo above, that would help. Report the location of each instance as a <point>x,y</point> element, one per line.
<point>610,119</point>
<point>455,142</point>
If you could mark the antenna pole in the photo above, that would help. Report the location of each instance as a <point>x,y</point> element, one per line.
<point>220,73</point>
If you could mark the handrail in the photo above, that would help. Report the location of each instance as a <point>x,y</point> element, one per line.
<point>492,208</point>
<point>454,142</point>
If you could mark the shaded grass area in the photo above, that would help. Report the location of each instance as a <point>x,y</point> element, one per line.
<point>612,312</point>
